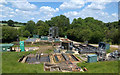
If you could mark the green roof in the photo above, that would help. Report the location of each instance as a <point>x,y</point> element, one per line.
<point>6,44</point>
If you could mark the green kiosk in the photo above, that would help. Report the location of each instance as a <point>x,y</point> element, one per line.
<point>22,48</point>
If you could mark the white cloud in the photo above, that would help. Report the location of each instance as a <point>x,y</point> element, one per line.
<point>115,14</point>
<point>47,12</point>
<point>77,4</point>
<point>2,16</point>
<point>25,11</point>
<point>23,5</point>
<point>97,14</point>
<point>95,9</point>
<point>6,11</point>
<point>72,4</point>
<point>11,15</point>
<point>96,6</point>
<point>44,13</point>
<point>3,2</point>
<point>102,0</point>
<point>47,9</point>
<point>33,18</point>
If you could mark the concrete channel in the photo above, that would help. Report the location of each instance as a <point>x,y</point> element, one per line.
<point>36,58</point>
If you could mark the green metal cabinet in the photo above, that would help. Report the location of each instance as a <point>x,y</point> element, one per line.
<point>92,58</point>
<point>22,48</point>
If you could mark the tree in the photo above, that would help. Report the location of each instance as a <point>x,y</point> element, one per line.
<point>30,26</point>
<point>26,33</point>
<point>40,22</point>
<point>9,34</point>
<point>10,23</point>
<point>96,37</point>
<point>62,22</point>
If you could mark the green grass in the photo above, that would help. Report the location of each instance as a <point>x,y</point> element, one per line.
<point>49,51</point>
<point>78,57</point>
<point>10,63</point>
<point>101,67</point>
<point>22,38</point>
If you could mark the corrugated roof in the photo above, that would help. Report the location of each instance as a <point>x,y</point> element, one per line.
<point>6,44</point>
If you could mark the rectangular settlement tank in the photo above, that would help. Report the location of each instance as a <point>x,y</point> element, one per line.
<point>92,58</point>
<point>22,46</point>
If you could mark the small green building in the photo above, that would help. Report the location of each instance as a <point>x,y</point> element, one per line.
<point>92,58</point>
<point>6,47</point>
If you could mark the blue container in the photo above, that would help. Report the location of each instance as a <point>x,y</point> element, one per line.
<point>92,58</point>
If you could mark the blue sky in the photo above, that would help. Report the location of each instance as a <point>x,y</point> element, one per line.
<point>24,10</point>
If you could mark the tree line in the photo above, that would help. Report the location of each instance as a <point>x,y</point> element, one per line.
<point>88,29</point>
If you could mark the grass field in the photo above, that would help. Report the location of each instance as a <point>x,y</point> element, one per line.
<point>101,67</point>
<point>16,26</point>
<point>10,64</point>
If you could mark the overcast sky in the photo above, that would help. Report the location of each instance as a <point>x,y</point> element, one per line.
<point>25,10</point>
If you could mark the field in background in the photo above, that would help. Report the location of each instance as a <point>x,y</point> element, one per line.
<point>17,26</point>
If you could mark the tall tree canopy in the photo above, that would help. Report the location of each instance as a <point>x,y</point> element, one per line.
<point>30,26</point>
<point>10,23</point>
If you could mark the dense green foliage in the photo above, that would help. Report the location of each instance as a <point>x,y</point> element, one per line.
<point>9,34</point>
<point>81,30</point>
